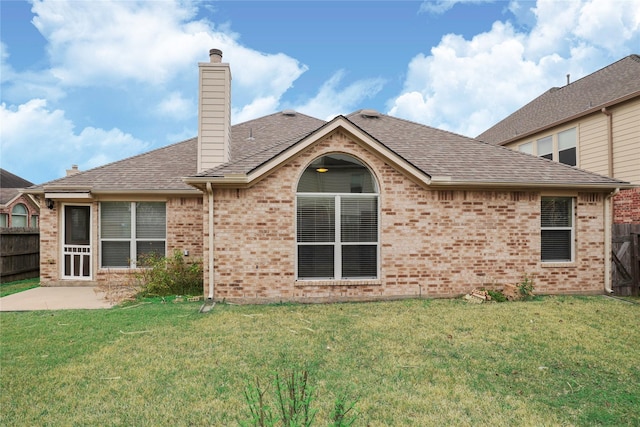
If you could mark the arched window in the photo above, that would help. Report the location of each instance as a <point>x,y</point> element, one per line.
<point>337,220</point>
<point>19,216</point>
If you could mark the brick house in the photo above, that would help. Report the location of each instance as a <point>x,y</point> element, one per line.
<point>592,123</point>
<point>366,206</point>
<point>17,210</point>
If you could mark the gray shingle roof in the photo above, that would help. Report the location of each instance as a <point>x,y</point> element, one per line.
<point>436,153</point>
<point>9,180</point>
<point>9,185</point>
<point>158,170</point>
<point>605,87</point>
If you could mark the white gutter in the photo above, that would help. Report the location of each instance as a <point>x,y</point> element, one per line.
<point>211,241</point>
<point>608,222</point>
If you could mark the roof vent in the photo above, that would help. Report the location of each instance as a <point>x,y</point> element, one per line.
<point>288,112</point>
<point>369,113</point>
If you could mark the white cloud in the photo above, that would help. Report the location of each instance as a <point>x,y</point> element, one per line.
<point>439,7</point>
<point>332,99</point>
<point>38,143</point>
<point>467,85</point>
<point>177,107</point>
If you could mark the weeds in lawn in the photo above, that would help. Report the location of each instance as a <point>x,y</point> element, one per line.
<point>293,400</point>
<point>526,287</point>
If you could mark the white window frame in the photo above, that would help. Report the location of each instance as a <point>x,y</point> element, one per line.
<point>338,243</point>
<point>571,228</point>
<point>24,216</point>
<point>555,153</point>
<point>133,240</point>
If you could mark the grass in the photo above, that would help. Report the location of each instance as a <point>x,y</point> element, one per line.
<point>551,361</point>
<point>18,286</point>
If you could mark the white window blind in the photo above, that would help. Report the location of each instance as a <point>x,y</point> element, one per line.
<point>557,229</point>
<point>129,231</point>
<point>337,220</point>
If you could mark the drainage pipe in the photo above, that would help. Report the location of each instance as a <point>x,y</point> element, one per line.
<point>211,241</point>
<point>608,222</point>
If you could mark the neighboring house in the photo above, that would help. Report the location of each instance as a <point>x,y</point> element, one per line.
<point>17,210</point>
<point>291,208</point>
<point>592,124</point>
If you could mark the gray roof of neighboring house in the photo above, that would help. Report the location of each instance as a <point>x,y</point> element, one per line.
<point>610,85</point>
<point>9,185</point>
<point>433,151</point>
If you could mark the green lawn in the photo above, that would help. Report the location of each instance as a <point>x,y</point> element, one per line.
<point>551,361</point>
<point>18,286</point>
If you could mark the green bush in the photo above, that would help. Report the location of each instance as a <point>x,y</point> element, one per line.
<point>164,276</point>
<point>526,287</point>
<point>497,296</point>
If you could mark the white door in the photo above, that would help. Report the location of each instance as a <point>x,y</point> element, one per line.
<point>77,243</point>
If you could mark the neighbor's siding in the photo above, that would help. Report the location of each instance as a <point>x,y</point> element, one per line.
<point>433,243</point>
<point>626,142</point>
<point>593,152</point>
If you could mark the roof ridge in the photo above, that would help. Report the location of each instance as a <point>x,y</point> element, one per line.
<point>416,123</point>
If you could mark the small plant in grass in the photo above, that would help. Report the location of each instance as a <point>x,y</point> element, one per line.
<point>342,415</point>
<point>292,407</point>
<point>526,287</point>
<point>164,276</point>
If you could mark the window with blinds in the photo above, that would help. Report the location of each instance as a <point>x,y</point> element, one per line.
<point>557,231</point>
<point>130,230</point>
<point>337,220</point>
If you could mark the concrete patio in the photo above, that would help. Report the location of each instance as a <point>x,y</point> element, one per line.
<point>55,298</point>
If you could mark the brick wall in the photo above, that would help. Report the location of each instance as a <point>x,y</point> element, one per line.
<point>433,243</point>
<point>184,232</point>
<point>626,207</point>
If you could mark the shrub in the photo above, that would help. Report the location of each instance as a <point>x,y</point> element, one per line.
<point>497,296</point>
<point>164,276</point>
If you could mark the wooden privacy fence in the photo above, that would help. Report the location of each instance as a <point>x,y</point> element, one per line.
<point>19,254</point>
<point>625,257</point>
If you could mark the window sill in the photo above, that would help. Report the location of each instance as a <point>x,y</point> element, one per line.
<point>556,264</point>
<point>343,282</point>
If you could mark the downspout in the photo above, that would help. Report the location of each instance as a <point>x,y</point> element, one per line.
<point>609,115</point>
<point>608,221</point>
<point>211,241</point>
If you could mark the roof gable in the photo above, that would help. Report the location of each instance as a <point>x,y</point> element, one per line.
<point>432,156</point>
<point>613,84</point>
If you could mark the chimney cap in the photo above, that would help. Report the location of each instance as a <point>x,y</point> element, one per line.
<point>215,55</point>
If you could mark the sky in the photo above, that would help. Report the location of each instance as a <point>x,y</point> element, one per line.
<point>91,82</point>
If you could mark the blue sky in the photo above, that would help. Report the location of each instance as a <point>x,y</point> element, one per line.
<point>91,82</point>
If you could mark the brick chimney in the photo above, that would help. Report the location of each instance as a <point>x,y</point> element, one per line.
<point>214,112</point>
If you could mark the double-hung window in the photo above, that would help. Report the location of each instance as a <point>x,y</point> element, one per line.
<point>557,231</point>
<point>560,147</point>
<point>131,230</point>
<point>337,220</point>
